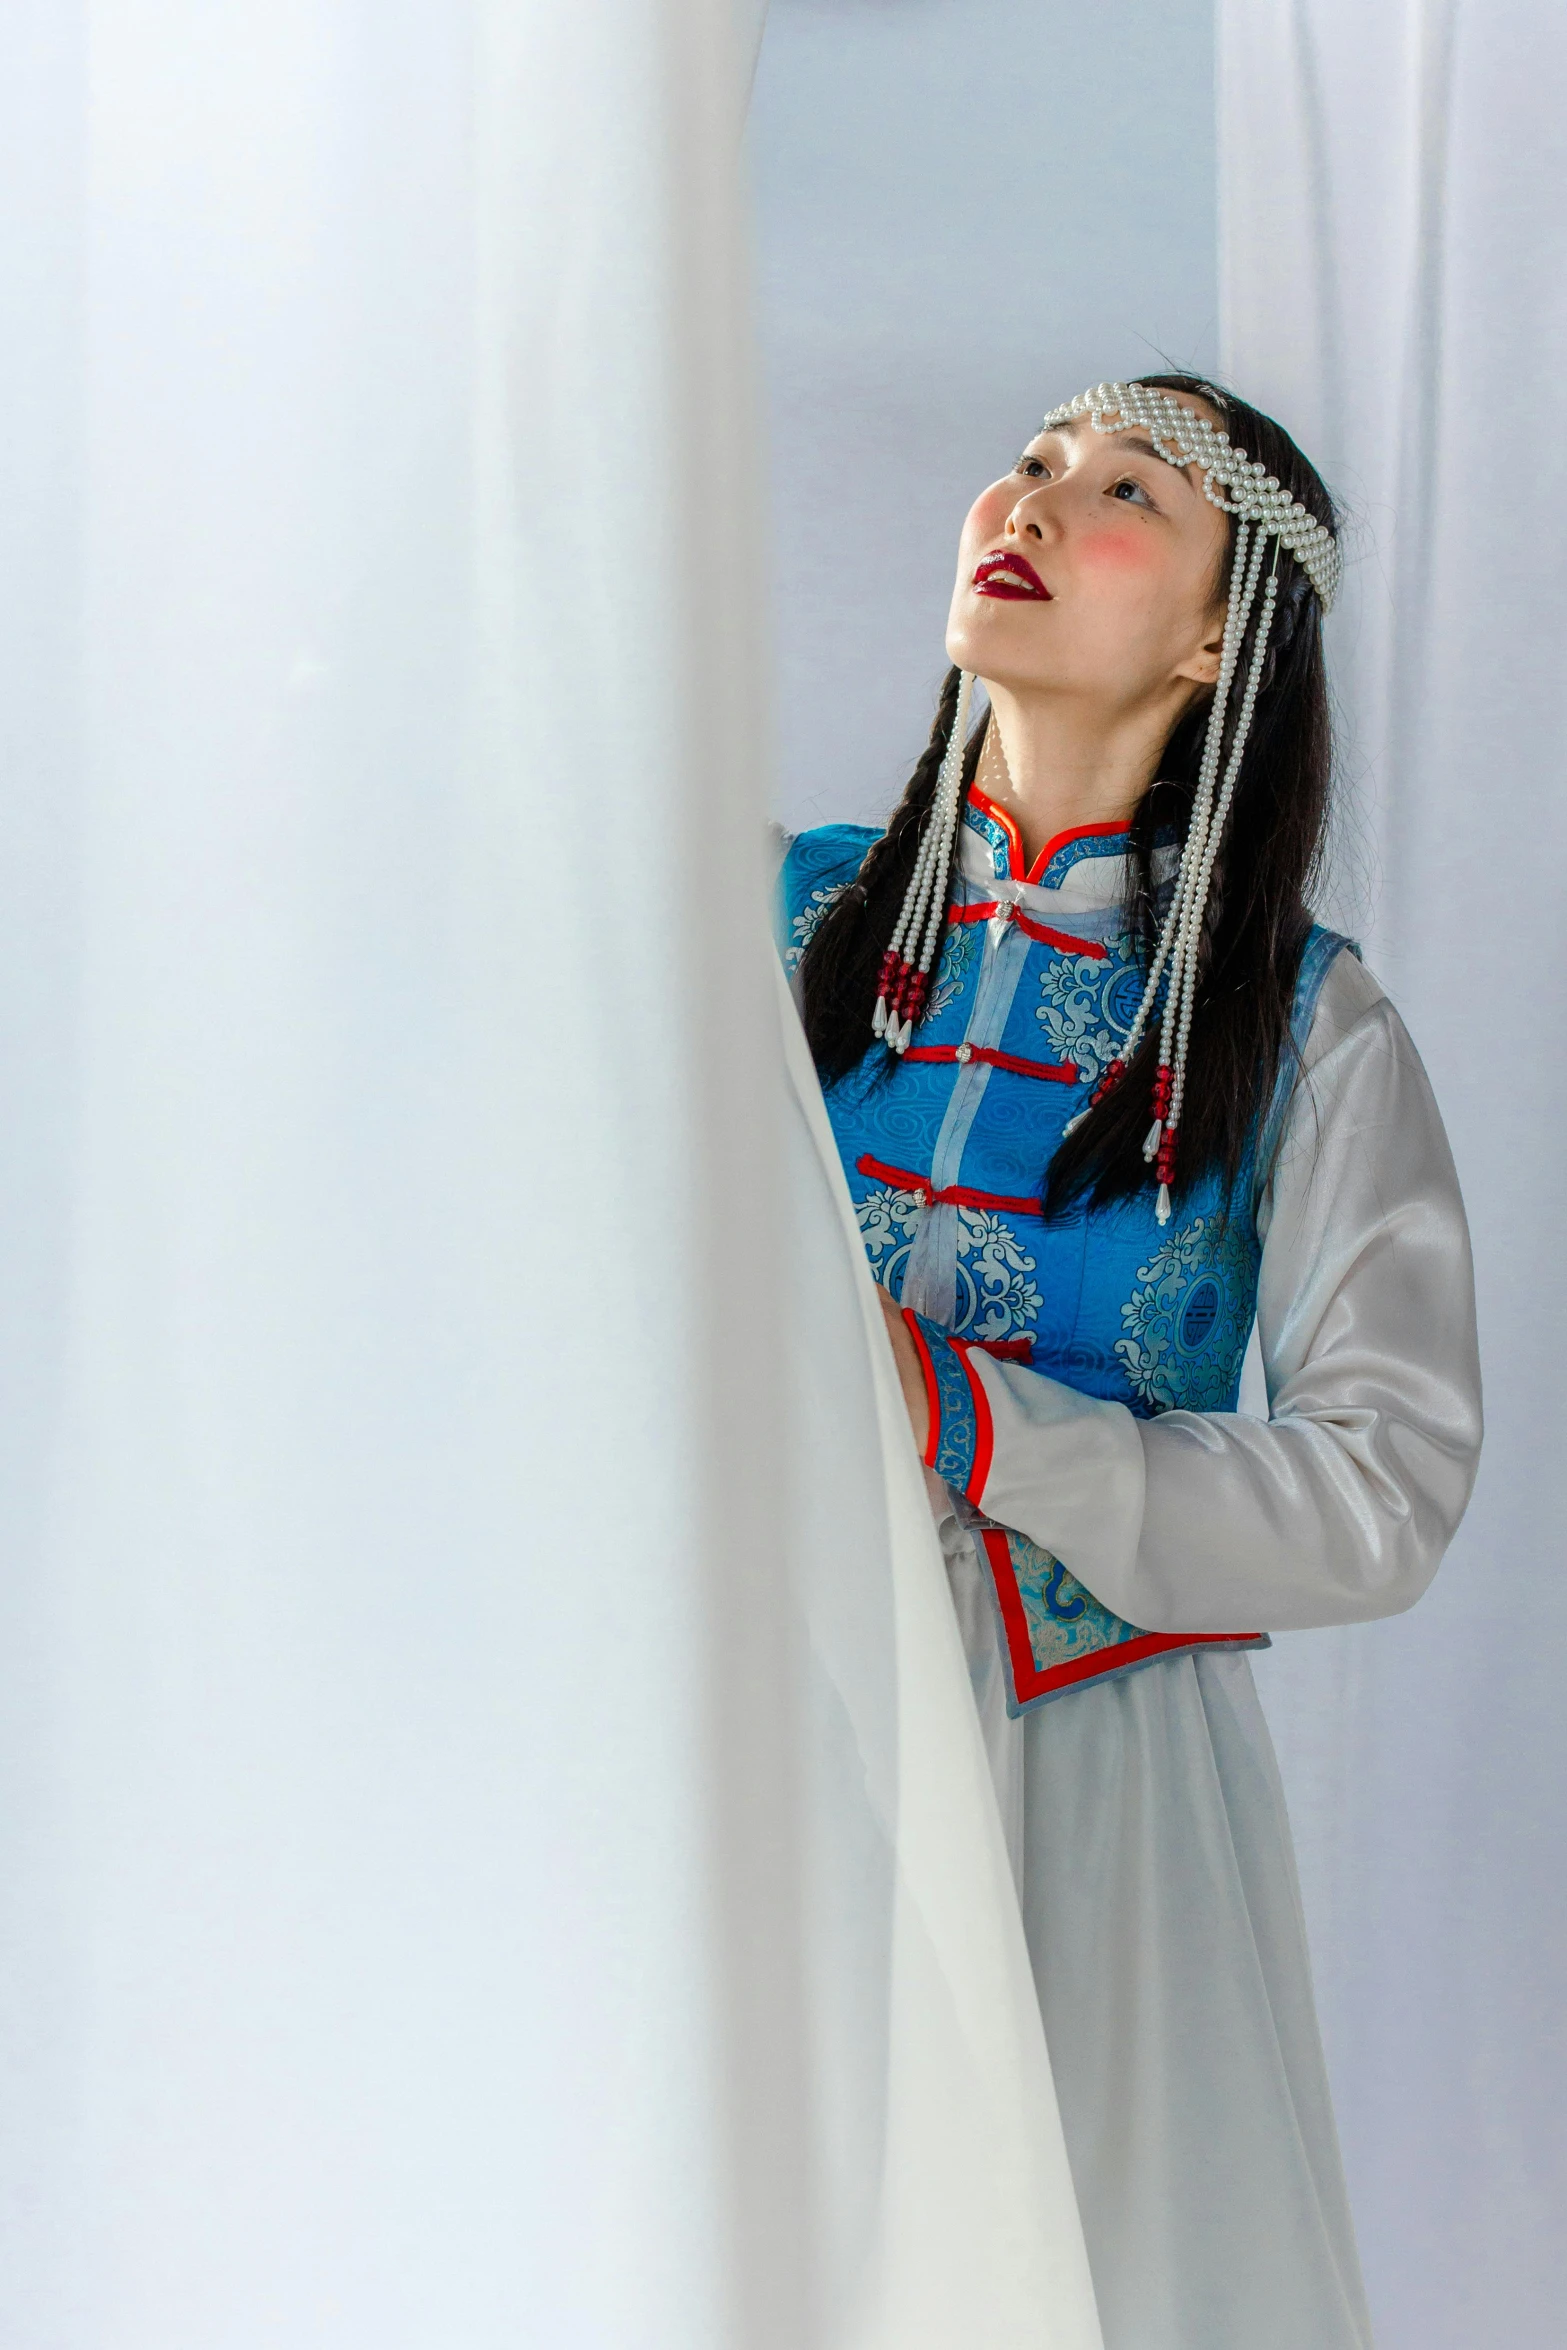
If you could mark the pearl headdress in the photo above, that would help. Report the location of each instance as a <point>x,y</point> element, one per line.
<point>1182,437</point>
<point>1264,510</point>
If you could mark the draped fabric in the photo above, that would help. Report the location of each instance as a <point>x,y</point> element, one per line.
<point>458,1882</point>
<point>945,2208</point>
<point>390,1415</point>
<point>1391,188</point>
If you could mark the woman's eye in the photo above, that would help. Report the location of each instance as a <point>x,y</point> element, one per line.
<point>1031,465</point>
<point>1131,491</point>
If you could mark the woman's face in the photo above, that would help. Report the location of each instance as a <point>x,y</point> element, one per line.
<point>1090,571</point>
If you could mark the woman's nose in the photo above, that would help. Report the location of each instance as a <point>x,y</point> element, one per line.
<point>1025,519</point>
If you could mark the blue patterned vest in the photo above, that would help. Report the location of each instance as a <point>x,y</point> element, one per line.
<point>1034,989</point>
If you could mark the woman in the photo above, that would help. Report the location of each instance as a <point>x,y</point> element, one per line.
<point>1107,1098</point>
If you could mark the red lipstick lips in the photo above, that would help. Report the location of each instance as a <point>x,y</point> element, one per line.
<point>1010,578</point>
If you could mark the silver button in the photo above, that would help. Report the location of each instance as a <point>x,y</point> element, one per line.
<point>965,1052</point>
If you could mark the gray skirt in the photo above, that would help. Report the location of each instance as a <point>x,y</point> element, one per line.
<point>1146,1823</point>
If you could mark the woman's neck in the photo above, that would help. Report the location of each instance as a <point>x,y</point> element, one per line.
<point>1056,768</point>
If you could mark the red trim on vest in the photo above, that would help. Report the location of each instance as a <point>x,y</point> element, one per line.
<point>1029,1682</point>
<point>1059,1072</point>
<point>1062,938</point>
<point>1078,832</point>
<point>984,1425</point>
<point>987,807</point>
<point>956,1195</point>
<point>1025,922</point>
<point>932,1391</point>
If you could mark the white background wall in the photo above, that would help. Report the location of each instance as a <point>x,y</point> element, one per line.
<point>969,210</point>
<point>1393,182</point>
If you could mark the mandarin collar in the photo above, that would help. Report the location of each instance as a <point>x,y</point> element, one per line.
<point>1085,867</point>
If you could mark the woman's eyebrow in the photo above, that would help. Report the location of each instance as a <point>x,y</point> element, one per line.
<point>1138,444</point>
<point>1145,448</point>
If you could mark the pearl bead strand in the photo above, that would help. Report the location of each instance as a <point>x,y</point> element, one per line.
<point>904,979</point>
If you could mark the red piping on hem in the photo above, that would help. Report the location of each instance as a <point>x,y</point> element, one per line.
<point>957,1195</point>
<point>1010,1601</point>
<point>1059,1072</point>
<point>1029,1682</point>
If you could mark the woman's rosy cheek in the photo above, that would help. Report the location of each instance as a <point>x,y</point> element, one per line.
<point>1119,551</point>
<point>988,515</point>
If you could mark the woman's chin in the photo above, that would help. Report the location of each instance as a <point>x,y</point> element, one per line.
<point>998,639</point>
<point>989,656</point>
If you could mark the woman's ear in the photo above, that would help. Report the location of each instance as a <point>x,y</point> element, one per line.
<point>1202,666</point>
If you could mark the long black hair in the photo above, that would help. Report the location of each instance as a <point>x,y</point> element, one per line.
<point>1256,922</point>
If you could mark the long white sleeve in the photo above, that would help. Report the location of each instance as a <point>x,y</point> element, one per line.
<point>1340,1505</point>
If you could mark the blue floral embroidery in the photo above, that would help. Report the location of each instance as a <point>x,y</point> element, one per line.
<point>1087,1004</point>
<point>992,834</point>
<point>803,927</point>
<point>1188,1321</point>
<point>957,961</point>
<point>959,1430</point>
<point>889,1221</point>
<point>995,1297</point>
<point>1063,1619</point>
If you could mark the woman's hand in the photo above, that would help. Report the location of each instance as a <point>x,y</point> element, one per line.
<point>911,1372</point>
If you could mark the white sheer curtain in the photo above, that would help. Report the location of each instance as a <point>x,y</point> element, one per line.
<point>454,1886</point>
<point>391,1576</point>
<point>1392,186</point>
<point>944,2209</point>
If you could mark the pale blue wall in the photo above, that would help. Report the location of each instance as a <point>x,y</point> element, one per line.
<point>968,209</point>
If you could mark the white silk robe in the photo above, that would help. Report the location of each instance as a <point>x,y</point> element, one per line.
<point>1144,1813</point>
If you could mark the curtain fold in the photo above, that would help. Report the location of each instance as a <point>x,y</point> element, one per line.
<point>399,1878</point>
<point>1391,184</point>
<point>493,1842</point>
<point>947,2211</point>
